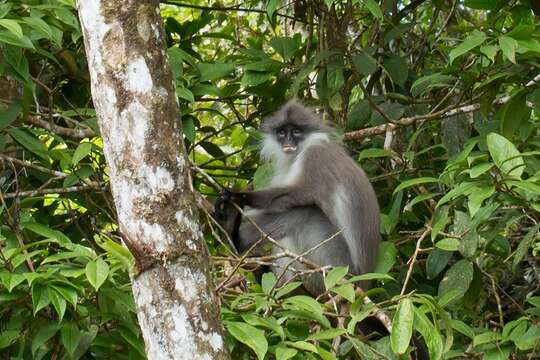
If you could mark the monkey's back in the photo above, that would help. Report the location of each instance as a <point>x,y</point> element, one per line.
<point>349,200</point>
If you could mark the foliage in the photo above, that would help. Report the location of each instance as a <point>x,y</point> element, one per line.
<point>457,177</point>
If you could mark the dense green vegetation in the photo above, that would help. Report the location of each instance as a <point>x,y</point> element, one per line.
<point>459,191</point>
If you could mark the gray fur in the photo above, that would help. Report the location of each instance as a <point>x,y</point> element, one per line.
<point>314,194</point>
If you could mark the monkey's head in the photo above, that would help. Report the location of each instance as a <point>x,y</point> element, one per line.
<point>288,130</point>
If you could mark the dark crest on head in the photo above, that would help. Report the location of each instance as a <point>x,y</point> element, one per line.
<point>294,113</point>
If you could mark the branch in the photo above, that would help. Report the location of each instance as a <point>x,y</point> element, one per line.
<point>227,8</point>
<point>445,113</point>
<point>30,165</point>
<point>60,130</point>
<point>413,259</point>
<point>64,190</point>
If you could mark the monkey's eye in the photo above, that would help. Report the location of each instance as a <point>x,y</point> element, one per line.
<point>281,132</point>
<point>297,132</point>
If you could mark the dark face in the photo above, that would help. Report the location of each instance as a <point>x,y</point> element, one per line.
<point>289,137</point>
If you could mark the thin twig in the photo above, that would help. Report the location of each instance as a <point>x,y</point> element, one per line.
<point>226,8</point>
<point>30,165</point>
<point>63,190</point>
<point>60,130</point>
<point>412,261</point>
<point>303,255</point>
<point>406,121</point>
<point>15,227</point>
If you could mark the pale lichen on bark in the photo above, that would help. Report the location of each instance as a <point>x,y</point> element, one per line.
<point>134,97</point>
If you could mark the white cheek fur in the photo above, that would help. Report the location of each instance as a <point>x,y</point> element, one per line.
<point>287,167</point>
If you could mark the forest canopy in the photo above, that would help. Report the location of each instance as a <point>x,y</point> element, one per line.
<point>437,100</point>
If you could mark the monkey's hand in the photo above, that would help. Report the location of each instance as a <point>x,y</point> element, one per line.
<point>223,207</point>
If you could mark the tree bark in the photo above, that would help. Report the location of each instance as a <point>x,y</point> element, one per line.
<point>138,115</point>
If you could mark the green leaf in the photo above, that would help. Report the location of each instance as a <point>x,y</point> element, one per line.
<point>188,127</point>
<point>364,63</point>
<point>487,337</point>
<point>40,26</point>
<point>287,288</point>
<point>40,297</point>
<point>213,71</point>
<point>70,336</point>
<point>58,302</point>
<point>441,219</point>
<point>8,337</point>
<point>265,322</point>
<point>505,155</point>
<point>386,257</point>
<point>13,26</point>
<point>430,333</point>
<point>397,69</point>
<point>212,149</point>
<point>370,276</point>
<point>481,4</point>
<point>448,244</point>
<point>463,188</point>
<point>250,336</point>
<point>524,185</point>
<point>285,353</point>
<point>268,281</point>
<point>47,232</point>
<point>80,153</point>
<point>429,82</point>
<point>309,306</point>
<point>477,197</point>
<point>462,328</point>
<point>524,245</point>
<point>185,94</point>
<point>10,114</point>
<point>328,334</point>
<point>436,262</point>
<point>10,280</point>
<point>416,181</point>
<point>67,293</point>
<point>490,51</point>
<point>254,78</point>
<point>529,340</point>
<point>373,153</point>
<point>12,39</point>
<point>345,291</point>
<point>458,278</point>
<point>475,39</point>
<point>263,175</point>
<point>334,276</point>
<point>479,169</point>
<point>514,114</point>
<point>508,47</point>
<point>285,46</point>
<point>4,9</point>
<point>29,142</point>
<point>272,6</point>
<point>402,326</point>
<point>418,199</point>
<point>303,345</point>
<point>43,334</point>
<point>97,272</point>
<point>373,8</point>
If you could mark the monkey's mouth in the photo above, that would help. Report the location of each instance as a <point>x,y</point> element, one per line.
<point>289,148</point>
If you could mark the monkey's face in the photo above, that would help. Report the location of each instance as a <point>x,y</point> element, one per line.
<point>290,137</point>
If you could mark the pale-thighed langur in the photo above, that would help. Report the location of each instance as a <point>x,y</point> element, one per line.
<point>316,191</point>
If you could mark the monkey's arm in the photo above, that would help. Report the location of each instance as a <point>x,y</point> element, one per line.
<point>278,199</point>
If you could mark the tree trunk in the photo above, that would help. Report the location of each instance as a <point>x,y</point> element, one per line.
<point>134,97</point>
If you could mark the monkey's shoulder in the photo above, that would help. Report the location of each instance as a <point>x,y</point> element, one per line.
<point>328,154</point>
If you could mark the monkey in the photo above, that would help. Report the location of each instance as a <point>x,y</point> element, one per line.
<point>316,192</point>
